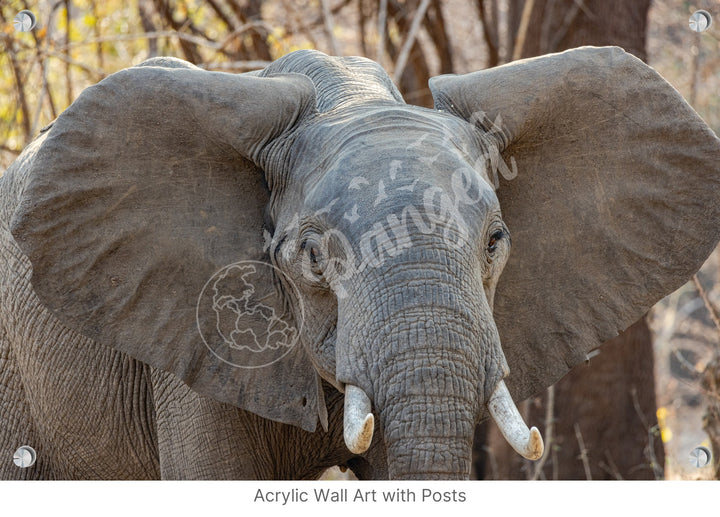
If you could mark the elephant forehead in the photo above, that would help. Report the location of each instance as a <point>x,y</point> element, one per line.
<point>389,141</point>
<point>398,125</point>
<point>395,195</point>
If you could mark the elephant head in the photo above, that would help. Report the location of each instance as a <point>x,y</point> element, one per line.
<point>257,234</point>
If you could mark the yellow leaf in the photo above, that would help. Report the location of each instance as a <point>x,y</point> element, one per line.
<point>661,414</point>
<point>665,434</point>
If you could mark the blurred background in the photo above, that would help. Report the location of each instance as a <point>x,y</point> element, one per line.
<point>638,410</point>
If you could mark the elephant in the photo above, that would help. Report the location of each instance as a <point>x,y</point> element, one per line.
<point>215,276</point>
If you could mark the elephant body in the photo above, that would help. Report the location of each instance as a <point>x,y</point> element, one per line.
<point>362,243</point>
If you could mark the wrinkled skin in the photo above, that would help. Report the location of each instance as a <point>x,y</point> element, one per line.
<point>386,234</point>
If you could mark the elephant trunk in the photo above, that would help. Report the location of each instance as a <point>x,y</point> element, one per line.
<point>423,347</point>
<point>426,391</point>
<point>428,437</point>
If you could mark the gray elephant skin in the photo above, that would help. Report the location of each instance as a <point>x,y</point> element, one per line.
<point>216,276</point>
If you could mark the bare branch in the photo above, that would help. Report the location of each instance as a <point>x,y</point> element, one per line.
<point>549,425</point>
<point>187,45</point>
<point>361,22</point>
<point>708,304</point>
<point>243,28</point>
<point>329,27</point>
<point>8,149</point>
<point>522,31</point>
<point>410,40</point>
<point>68,70</point>
<point>149,35</point>
<point>298,25</point>
<point>488,20</point>
<point>435,26</point>
<point>657,469</point>
<point>144,7</point>
<point>610,467</point>
<point>514,16</point>
<point>638,410</point>
<point>650,447</point>
<point>547,19</point>
<point>221,14</point>
<point>583,452</point>
<point>382,25</point>
<point>9,44</point>
<point>249,11</point>
<point>70,61</point>
<point>567,22</point>
<point>40,45</point>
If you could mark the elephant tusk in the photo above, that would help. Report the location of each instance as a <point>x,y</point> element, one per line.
<point>359,422</point>
<point>526,442</point>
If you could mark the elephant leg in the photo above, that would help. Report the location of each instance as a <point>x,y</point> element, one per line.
<point>200,438</point>
<point>88,408</point>
<point>17,428</point>
<point>85,408</point>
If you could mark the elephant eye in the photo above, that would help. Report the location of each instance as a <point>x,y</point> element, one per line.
<point>313,254</point>
<point>312,251</point>
<point>494,240</point>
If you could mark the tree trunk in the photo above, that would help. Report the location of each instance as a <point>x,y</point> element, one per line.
<point>557,25</point>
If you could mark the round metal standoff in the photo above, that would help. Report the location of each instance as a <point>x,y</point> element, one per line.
<point>700,456</point>
<point>25,457</point>
<point>24,21</point>
<point>700,21</point>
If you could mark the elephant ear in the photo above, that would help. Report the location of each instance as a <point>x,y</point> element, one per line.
<point>616,202</point>
<point>143,221</point>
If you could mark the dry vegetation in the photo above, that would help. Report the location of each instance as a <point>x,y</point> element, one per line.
<point>78,42</point>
